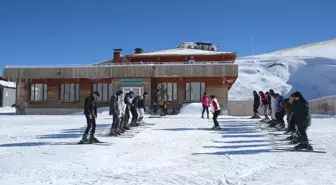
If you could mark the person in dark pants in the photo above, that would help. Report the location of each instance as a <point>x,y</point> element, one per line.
<point>134,112</point>
<point>127,101</point>
<point>156,102</point>
<point>115,112</point>
<point>216,111</point>
<point>300,108</point>
<point>256,104</point>
<point>90,112</point>
<point>205,104</point>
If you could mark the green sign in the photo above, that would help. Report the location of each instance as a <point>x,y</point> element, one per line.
<point>131,81</point>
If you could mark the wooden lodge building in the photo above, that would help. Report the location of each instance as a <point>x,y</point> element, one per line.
<point>183,74</point>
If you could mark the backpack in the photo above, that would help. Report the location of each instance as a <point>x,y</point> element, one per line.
<point>265,99</point>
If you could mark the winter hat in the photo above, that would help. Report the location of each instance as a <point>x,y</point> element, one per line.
<point>212,96</point>
<point>96,93</point>
<point>145,93</point>
<point>131,92</point>
<point>120,92</point>
<point>297,94</point>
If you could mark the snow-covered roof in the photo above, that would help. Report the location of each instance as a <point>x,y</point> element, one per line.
<point>7,84</point>
<point>181,51</point>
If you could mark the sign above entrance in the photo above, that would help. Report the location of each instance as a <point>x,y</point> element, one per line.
<point>131,81</point>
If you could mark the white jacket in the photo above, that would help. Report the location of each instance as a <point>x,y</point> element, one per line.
<point>121,105</point>
<point>214,105</point>
<point>274,105</point>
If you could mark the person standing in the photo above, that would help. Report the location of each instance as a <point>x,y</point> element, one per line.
<point>139,103</point>
<point>156,102</point>
<point>256,104</point>
<point>301,116</point>
<point>122,107</point>
<point>205,104</point>
<point>90,112</point>
<point>280,114</point>
<point>115,112</point>
<point>128,101</point>
<point>216,111</point>
<point>264,103</point>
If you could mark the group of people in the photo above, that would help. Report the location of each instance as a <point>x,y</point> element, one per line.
<point>215,109</point>
<point>120,109</point>
<point>298,116</point>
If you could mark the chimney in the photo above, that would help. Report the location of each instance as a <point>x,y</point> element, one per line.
<point>138,50</point>
<point>116,55</point>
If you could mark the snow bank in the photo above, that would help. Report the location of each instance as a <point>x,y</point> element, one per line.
<point>288,71</point>
<point>7,84</point>
<point>7,110</point>
<point>192,109</point>
<point>101,111</point>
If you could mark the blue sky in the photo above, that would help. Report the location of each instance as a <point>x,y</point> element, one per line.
<point>85,31</point>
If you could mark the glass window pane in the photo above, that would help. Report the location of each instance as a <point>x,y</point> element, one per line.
<point>110,91</point>
<point>100,90</point>
<point>202,88</point>
<point>174,91</point>
<point>195,91</point>
<point>105,91</point>
<point>38,92</point>
<point>72,92</point>
<point>77,92</point>
<point>66,92</point>
<point>94,87</point>
<point>164,91</point>
<point>32,92</point>
<point>187,91</point>
<point>170,91</point>
<point>45,95</point>
<point>62,92</point>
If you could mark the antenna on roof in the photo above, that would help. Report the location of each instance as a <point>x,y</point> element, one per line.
<point>252,42</point>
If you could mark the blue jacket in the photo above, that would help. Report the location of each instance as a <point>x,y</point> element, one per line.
<point>280,107</point>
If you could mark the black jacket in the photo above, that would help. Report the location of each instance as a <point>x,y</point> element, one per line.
<point>90,107</point>
<point>138,102</point>
<point>256,99</point>
<point>300,110</point>
<point>114,106</point>
<point>127,100</point>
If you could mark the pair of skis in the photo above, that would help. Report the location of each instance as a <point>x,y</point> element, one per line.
<point>95,143</point>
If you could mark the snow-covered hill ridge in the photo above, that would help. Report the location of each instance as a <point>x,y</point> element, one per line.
<point>310,69</point>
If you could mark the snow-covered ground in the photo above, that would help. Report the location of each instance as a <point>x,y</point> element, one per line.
<point>5,110</point>
<point>310,69</point>
<point>176,150</point>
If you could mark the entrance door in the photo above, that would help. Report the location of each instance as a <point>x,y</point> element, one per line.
<point>136,90</point>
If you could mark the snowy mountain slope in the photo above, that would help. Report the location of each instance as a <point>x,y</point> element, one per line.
<point>309,68</point>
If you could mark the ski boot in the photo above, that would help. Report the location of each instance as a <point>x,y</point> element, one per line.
<point>216,128</point>
<point>112,133</point>
<point>84,139</point>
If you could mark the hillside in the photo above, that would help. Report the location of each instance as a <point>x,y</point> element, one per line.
<point>309,68</point>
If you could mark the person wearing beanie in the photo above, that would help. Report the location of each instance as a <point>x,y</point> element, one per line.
<point>264,104</point>
<point>90,112</point>
<point>128,100</point>
<point>301,117</point>
<point>256,104</point>
<point>139,103</point>
<point>115,112</point>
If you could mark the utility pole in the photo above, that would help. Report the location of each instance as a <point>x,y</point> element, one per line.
<point>252,43</point>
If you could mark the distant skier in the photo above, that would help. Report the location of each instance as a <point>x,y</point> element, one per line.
<point>139,103</point>
<point>301,116</point>
<point>270,100</point>
<point>115,112</point>
<point>256,104</point>
<point>122,106</point>
<point>274,105</point>
<point>280,111</point>
<point>215,109</point>
<point>156,102</point>
<point>90,112</point>
<point>205,104</point>
<point>264,103</point>
<point>288,109</point>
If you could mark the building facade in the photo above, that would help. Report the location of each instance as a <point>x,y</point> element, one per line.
<point>63,89</point>
<point>7,93</point>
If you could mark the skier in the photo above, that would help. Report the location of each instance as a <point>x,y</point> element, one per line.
<point>122,106</point>
<point>256,104</point>
<point>264,104</point>
<point>215,109</point>
<point>280,111</point>
<point>115,112</point>
<point>300,108</point>
<point>270,100</point>
<point>128,101</point>
<point>288,110</point>
<point>205,104</point>
<point>139,103</point>
<point>90,112</point>
<point>156,102</point>
<point>274,104</point>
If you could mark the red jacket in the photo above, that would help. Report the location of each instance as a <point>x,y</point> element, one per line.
<point>205,101</point>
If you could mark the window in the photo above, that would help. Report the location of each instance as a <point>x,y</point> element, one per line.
<point>168,91</point>
<point>38,92</point>
<point>105,91</point>
<point>69,92</point>
<point>194,91</point>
